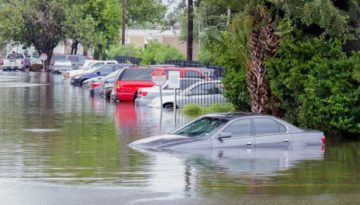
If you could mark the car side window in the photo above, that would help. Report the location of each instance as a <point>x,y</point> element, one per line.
<point>193,74</point>
<point>96,65</point>
<point>268,126</point>
<point>239,128</point>
<point>186,83</point>
<point>205,89</point>
<point>106,69</point>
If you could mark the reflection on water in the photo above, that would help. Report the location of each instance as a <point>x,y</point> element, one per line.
<point>55,133</point>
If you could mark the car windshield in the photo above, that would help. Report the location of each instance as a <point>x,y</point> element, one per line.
<point>73,58</point>
<point>137,74</point>
<point>15,56</point>
<point>201,128</point>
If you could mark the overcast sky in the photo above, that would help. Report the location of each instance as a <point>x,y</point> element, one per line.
<point>171,4</point>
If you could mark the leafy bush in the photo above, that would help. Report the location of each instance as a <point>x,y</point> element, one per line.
<point>122,50</point>
<point>316,84</point>
<point>222,48</point>
<point>194,110</point>
<point>159,53</point>
<point>214,108</point>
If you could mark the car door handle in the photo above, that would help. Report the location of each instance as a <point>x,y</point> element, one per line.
<point>285,140</point>
<point>249,143</point>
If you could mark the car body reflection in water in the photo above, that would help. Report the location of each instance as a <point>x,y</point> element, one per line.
<point>54,135</point>
<point>140,122</point>
<point>210,169</point>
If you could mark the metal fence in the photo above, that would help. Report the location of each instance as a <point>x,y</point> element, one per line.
<point>218,70</point>
<point>201,91</point>
<point>127,59</point>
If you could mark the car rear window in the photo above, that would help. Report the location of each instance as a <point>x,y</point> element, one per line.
<point>137,74</point>
<point>15,56</point>
<point>74,58</point>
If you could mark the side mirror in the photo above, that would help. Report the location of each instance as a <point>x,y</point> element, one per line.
<point>98,73</point>
<point>224,135</point>
<point>106,82</point>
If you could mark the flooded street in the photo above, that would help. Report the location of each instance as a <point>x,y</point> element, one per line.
<point>59,146</point>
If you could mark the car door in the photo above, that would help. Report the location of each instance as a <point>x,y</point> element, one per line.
<point>270,133</point>
<point>203,94</point>
<point>236,134</point>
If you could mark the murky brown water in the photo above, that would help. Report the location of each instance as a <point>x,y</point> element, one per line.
<point>55,139</point>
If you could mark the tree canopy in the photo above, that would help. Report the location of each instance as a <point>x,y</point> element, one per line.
<point>93,23</point>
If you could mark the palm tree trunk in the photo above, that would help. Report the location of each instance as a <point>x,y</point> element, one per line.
<point>262,41</point>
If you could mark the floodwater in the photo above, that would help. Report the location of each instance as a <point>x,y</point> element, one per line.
<point>59,146</point>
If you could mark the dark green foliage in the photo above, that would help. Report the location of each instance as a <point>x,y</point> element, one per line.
<point>159,53</point>
<point>236,90</point>
<point>316,84</point>
<point>229,50</point>
<point>122,50</point>
<point>195,110</point>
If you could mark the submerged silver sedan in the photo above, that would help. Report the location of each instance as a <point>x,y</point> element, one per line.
<point>233,130</point>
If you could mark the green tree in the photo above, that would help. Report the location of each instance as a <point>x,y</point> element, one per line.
<point>35,22</point>
<point>315,83</point>
<point>123,50</point>
<point>159,53</point>
<point>262,19</point>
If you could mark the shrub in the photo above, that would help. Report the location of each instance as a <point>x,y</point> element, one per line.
<point>214,108</point>
<point>159,53</point>
<point>316,85</point>
<point>194,110</point>
<point>122,50</point>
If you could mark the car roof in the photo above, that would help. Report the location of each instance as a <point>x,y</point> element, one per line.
<point>234,115</point>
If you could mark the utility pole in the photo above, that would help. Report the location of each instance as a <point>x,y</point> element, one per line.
<point>123,5</point>
<point>190,30</point>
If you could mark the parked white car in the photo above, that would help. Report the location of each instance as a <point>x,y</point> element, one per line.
<point>14,61</point>
<point>91,64</point>
<point>203,93</point>
<point>146,95</point>
<point>61,66</point>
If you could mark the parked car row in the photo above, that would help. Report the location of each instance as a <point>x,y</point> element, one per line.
<point>127,82</point>
<point>19,61</point>
<point>61,63</point>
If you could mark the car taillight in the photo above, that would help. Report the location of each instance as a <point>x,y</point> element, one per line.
<point>118,84</point>
<point>323,140</point>
<point>142,93</point>
<point>94,85</point>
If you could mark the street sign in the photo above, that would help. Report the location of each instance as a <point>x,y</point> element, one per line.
<point>43,56</point>
<point>174,79</point>
<point>158,78</point>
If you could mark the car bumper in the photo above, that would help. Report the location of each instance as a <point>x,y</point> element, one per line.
<point>75,81</point>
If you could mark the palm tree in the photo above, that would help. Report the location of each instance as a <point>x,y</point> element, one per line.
<point>251,38</point>
<point>262,41</point>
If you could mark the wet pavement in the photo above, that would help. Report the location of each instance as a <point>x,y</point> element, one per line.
<point>60,146</point>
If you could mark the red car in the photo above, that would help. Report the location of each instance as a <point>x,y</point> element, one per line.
<point>131,79</point>
<point>184,72</point>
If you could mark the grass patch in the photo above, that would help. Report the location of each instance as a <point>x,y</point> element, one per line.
<point>194,110</point>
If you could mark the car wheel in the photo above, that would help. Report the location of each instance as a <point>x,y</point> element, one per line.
<point>82,82</point>
<point>168,106</point>
<point>135,96</point>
